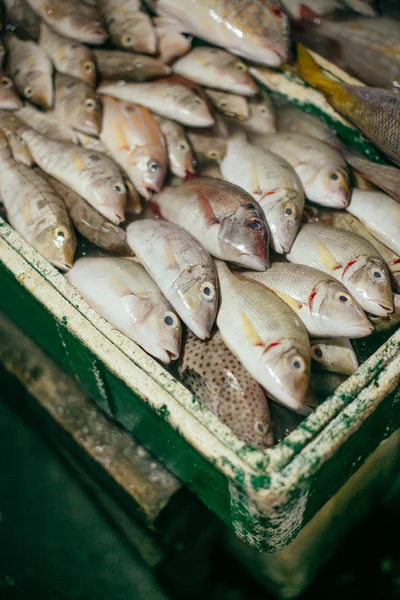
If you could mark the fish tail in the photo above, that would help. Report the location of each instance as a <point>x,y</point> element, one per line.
<point>311,72</point>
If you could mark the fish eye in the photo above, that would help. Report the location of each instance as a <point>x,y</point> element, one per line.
<point>5,82</point>
<point>60,236</point>
<point>28,91</point>
<point>289,210</point>
<point>198,100</point>
<point>262,109</point>
<point>377,274</point>
<point>139,64</point>
<point>170,320</point>
<point>317,352</point>
<point>119,188</point>
<point>298,363</point>
<point>255,224</point>
<point>154,165</point>
<point>208,290</point>
<point>90,104</point>
<point>334,176</point>
<point>126,40</point>
<point>88,66</point>
<point>182,146</point>
<point>278,12</point>
<point>241,66</point>
<point>213,154</point>
<point>259,427</point>
<point>343,298</point>
<point>223,104</point>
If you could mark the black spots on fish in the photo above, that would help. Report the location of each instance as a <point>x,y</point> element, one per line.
<point>95,157</point>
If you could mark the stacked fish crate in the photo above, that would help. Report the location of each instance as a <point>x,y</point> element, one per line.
<point>215,326</point>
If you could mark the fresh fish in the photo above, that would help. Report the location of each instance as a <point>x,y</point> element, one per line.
<point>261,118</point>
<point>112,64</point>
<point>225,220</point>
<point>348,258</point>
<point>266,336</point>
<point>374,111</point>
<point>30,69</point>
<point>128,27</point>
<point>9,123</point>
<point>219,381</point>
<point>181,267</point>
<point>90,223</point>
<point>216,68</point>
<point>171,44</point>
<point>384,176</point>
<point>68,56</point>
<point>257,30</point>
<point>90,174</point>
<point>380,214</point>
<point>73,19</point>
<point>229,105</point>
<point>335,355</point>
<point>323,304</point>
<point>19,15</point>
<point>171,100</point>
<point>76,104</point>
<point>272,182</point>
<point>209,144</point>
<point>121,291</point>
<point>367,48</point>
<point>180,156</point>
<point>135,141</point>
<point>35,211</point>
<point>9,99</point>
<point>320,168</point>
<point>345,220</point>
<point>46,124</point>
<point>291,119</point>
<point>309,9</point>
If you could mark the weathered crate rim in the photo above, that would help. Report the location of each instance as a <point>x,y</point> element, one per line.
<point>279,466</point>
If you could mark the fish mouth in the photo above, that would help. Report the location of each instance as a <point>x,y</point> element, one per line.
<point>377,309</point>
<point>254,263</point>
<point>358,331</point>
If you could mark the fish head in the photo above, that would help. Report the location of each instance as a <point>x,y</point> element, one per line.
<point>182,158</point>
<point>232,106</point>
<point>87,27</point>
<point>110,196</point>
<point>243,237</point>
<point>57,244</point>
<point>20,150</point>
<point>9,99</point>
<point>154,326</point>
<point>84,112</point>
<point>146,68</point>
<point>195,109</point>
<point>287,368</point>
<point>333,356</point>
<point>330,303</point>
<point>197,289</point>
<point>154,170</point>
<point>234,73</point>
<point>331,187</point>
<point>39,88</point>
<point>87,71</point>
<point>284,219</point>
<point>262,117</point>
<point>368,280</point>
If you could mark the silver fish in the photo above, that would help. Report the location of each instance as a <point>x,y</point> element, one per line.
<point>170,43</point>
<point>122,292</point>
<point>112,64</point>
<point>129,27</point>
<point>261,118</point>
<point>31,70</point>
<point>225,220</point>
<point>219,381</point>
<point>35,211</point>
<point>257,30</point>
<point>74,19</point>
<point>181,160</point>
<point>266,336</point>
<point>335,355</point>
<point>323,304</point>
<point>90,174</point>
<point>380,215</point>
<point>216,68</point>
<point>46,124</point>
<point>321,169</point>
<point>209,144</point>
<point>348,258</point>
<point>171,100</point>
<point>229,105</point>
<point>68,56</point>
<point>76,104</point>
<point>9,123</point>
<point>291,119</point>
<point>272,182</point>
<point>181,267</point>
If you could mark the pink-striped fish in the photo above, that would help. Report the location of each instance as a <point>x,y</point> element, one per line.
<point>256,29</point>
<point>136,143</point>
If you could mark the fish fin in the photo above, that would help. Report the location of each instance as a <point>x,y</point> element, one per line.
<point>292,302</point>
<point>207,209</point>
<point>79,162</point>
<point>170,260</point>
<point>326,257</point>
<point>393,51</point>
<point>251,334</point>
<point>311,72</point>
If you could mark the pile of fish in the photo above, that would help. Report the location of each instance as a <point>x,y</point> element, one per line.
<point>109,115</point>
